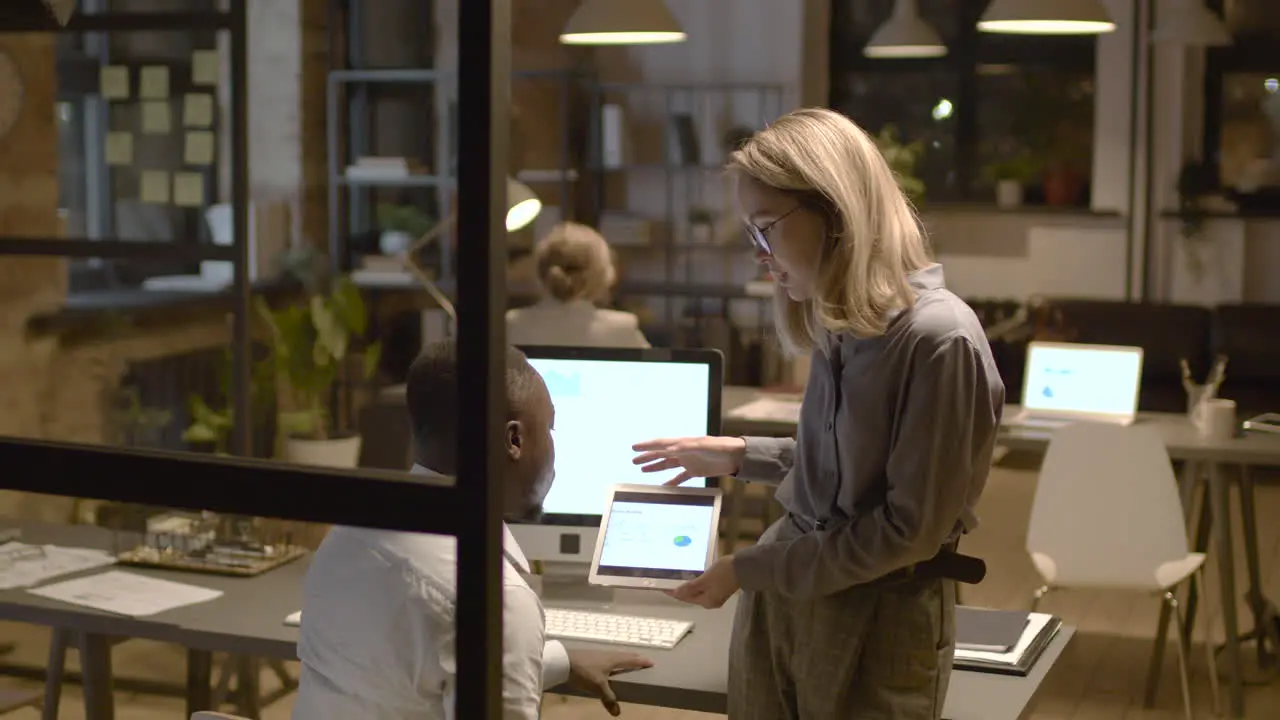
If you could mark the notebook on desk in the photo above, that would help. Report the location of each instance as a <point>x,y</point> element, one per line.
<point>986,630</point>
<point>1038,632</point>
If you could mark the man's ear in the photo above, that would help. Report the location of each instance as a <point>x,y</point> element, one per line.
<point>515,439</point>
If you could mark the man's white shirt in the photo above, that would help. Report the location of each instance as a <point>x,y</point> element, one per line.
<point>377,635</point>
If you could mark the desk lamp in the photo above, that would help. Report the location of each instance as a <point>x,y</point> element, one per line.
<point>523,206</point>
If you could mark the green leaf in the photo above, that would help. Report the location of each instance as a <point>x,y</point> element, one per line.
<point>372,358</point>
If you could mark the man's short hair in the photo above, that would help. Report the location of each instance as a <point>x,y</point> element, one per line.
<point>432,396</point>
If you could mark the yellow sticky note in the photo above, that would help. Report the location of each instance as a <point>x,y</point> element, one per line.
<point>204,67</point>
<point>188,189</point>
<point>113,82</point>
<point>199,148</point>
<point>197,110</point>
<point>153,82</point>
<point>156,118</point>
<point>154,187</point>
<point>119,148</point>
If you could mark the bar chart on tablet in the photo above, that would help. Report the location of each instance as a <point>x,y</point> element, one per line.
<point>659,536</point>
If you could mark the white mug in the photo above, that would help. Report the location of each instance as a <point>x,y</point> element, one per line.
<point>1215,418</point>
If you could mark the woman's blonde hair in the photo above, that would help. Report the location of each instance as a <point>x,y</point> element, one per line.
<point>574,263</point>
<point>831,164</point>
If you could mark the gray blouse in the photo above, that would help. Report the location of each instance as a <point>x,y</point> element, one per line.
<point>891,454</point>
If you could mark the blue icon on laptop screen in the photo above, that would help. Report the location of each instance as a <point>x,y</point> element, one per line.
<point>683,541</point>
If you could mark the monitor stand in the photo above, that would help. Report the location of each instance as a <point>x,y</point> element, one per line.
<point>566,583</point>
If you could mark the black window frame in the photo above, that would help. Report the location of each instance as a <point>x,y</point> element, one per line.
<point>1247,53</point>
<point>966,52</point>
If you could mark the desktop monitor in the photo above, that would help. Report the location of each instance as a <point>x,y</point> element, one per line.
<point>605,401</point>
<point>1082,382</point>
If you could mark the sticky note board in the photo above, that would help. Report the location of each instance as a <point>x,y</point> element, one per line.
<point>113,82</point>
<point>156,118</point>
<point>199,148</point>
<point>119,148</point>
<point>197,110</point>
<point>188,189</point>
<point>154,187</point>
<point>204,67</point>
<point>153,82</point>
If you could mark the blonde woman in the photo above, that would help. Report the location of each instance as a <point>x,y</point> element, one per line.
<point>847,606</point>
<point>575,269</point>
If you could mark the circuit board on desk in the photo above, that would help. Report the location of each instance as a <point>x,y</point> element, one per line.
<point>240,565</point>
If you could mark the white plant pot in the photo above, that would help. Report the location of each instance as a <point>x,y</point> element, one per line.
<point>1008,194</point>
<point>335,452</point>
<point>394,242</point>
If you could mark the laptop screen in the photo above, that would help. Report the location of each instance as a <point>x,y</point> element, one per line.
<point>1093,379</point>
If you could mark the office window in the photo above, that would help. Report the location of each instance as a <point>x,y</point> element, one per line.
<point>1242,105</point>
<point>139,119</point>
<point>993,105</point>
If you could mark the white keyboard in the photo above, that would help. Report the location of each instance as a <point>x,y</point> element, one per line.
<point>602,627</point>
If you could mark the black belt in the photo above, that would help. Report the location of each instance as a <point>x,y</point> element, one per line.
<point>947,564</point>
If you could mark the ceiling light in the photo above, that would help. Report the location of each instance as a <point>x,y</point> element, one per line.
<point>1189,22</point>
<point>905,35</point>
<point>1046,17</point>
<point>622,22</point>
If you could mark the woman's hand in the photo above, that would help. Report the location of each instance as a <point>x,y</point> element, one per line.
<point>712,588</point>
<point>694,456</point>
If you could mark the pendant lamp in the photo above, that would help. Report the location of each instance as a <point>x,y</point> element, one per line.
<point>1189,22</point>
<point>1046,17</point>
<point>622,22</point>
<point>905,35</point>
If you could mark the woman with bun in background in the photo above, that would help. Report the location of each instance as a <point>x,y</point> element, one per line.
<point>575,270</point>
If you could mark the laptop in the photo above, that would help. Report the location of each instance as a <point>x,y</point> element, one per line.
<point>1072,382</point>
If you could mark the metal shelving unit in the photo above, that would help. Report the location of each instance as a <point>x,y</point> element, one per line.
<point>348,103</point>
<point>685,277</point>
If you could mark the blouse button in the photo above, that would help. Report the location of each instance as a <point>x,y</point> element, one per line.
<point>830,426</point>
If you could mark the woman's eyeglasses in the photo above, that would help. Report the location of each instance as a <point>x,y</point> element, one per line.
<point>759,236</point>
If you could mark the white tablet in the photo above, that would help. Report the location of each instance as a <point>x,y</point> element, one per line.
<point>656,536</point>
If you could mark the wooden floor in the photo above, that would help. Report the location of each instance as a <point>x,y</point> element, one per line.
<point>1099,677</point>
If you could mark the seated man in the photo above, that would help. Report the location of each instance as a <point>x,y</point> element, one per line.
<point>377,637</point>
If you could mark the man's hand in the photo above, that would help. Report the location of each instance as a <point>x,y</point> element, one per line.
<point>712,588</point>
<point>590,670</point>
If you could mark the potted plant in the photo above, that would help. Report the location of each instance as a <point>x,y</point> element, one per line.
<point>1195,188</point>
<point>212,422</point>
<point>1010,175</point>
<point>1053,122</point>
<point>902,159</point>
<point>401,226</point>
<point>133,424</point>
<point>310,342</point>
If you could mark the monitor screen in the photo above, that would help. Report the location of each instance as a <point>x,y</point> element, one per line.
<point>1082,378</point>
<point>603,407</point>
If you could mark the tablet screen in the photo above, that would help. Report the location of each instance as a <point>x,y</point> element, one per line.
<point>664,537</point>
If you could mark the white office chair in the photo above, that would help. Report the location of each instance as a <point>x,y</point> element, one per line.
<point>1107,515</point>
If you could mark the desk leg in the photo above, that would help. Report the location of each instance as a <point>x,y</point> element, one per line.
<point>95,667</point>
<point>1265,614</point>
<point>248,671</point>
<point>199,681</point>
<point>1219,497</point>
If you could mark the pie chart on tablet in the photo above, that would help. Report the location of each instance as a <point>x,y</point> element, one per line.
<point>683,541</point>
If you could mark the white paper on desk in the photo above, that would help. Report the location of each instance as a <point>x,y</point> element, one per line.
<point>767,408</point>
<point>57,561</point>
<point>126,593</point>
<point>1035,623</point>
